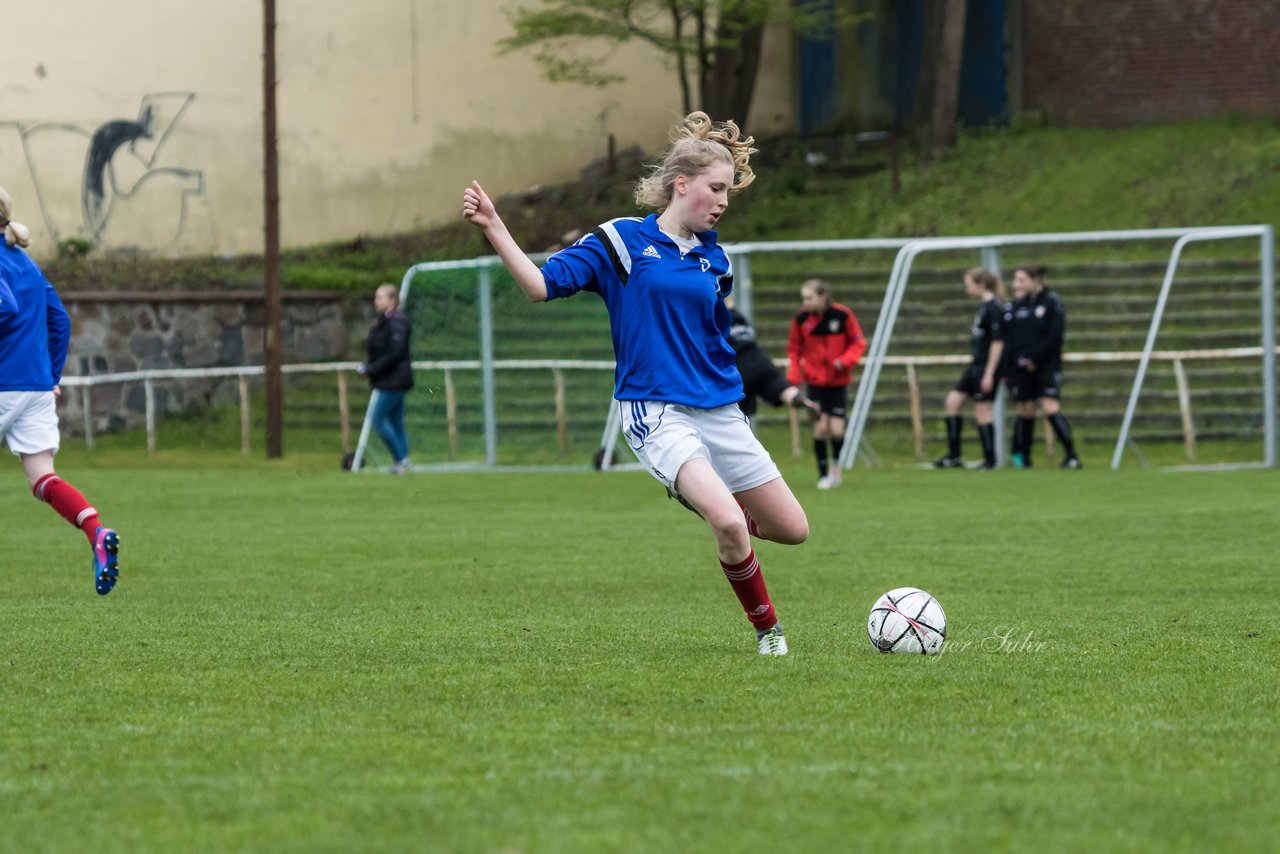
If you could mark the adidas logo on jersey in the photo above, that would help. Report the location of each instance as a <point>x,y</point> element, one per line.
<point>650,252</point>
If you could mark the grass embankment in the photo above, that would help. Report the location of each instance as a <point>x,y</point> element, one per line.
<point>995,181</point>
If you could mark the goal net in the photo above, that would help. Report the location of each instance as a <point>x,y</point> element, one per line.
<point>504,382</point>
<point>498,380</point>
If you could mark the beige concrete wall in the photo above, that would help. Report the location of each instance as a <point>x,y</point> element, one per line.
<point>386,110</point>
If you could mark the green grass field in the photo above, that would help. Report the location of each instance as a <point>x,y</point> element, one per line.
<point>297,659</point>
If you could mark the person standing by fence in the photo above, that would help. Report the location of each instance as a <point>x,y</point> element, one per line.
<point>663,279</point>
<point>1037,324</point>
<point>824,346</point>
<point>978,383</point>
<point>390,372</point>
<point>34,335</point>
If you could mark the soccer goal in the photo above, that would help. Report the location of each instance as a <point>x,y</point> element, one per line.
<point>502,382</point>
<point>1241,425</point>
<point>499,381</point>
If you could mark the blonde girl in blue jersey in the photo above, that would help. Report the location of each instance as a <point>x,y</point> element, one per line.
<point>664,279</point>
<point>34,334</point>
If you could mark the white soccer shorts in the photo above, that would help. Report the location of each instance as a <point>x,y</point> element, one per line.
<point>665,436</point>
<point>28,421</point>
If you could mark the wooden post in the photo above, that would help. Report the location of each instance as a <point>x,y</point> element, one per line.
<point>1047,425</point>
<point>244,415</point>
<point>149,392</point>
<point>917,422</point>
<point>272,345</point>
<point>562,421</point>
<point>451,412</point>
<point>86,405</point>
<point>1184,407</point>
<point>794,415</point>
<point>344,415</point>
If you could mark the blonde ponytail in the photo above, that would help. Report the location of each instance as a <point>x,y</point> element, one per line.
<point>15,233</point>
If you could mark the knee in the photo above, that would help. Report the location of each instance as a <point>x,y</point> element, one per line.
<point>793,532</point>
<point>730,531</point>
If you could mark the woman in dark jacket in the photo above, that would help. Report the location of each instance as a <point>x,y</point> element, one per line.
<point>390,373</point>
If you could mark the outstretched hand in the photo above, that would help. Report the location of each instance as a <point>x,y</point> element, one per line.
<point>477,207</point>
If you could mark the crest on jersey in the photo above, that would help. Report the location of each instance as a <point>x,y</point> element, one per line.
<point>706,264</point>
<point>1039,311</point>
<point>833,325</point>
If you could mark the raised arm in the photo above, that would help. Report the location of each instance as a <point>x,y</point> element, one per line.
<point>478,210</point>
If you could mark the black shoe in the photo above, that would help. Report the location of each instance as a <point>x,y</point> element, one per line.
<point>1072,462</point>
<point>948,463</point>
<point>986,467</point>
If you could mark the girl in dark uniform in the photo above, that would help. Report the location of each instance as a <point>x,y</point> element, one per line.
<point>978,383</point>
<point>760,376</point>
<point>1036,324</point>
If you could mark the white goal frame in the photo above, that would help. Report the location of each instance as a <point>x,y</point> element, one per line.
<point>908,249</point>
<point>990,247</point>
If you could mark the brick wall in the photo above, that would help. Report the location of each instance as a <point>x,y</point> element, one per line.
<point>1089,62</point>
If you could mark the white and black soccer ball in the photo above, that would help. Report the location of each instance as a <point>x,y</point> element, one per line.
<point>907,621</point>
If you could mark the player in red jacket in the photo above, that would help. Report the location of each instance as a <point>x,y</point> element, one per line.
<point>826,344</point>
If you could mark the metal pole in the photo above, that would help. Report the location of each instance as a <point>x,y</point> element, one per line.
<point>1156,316</point>
<point>271,226</point>
<point>486,367</point>
<point>743,285</point>
<point>362,443</point>
<point>1269,345</point>
<point>344,413</point>
<point>879,345</point>
<point>86,409</point>
<point>245,421</point>
<point>866,386</point>
<point>149,393</point>
<point>562,418</point>
<point>609,439</point>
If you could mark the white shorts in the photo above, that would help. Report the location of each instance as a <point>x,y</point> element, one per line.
<point>28,421</point>
<point>665,436</point>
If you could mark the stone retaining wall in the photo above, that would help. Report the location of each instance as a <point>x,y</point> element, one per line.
<point>113,332</point>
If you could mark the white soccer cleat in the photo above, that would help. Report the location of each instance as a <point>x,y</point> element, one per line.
<point>773,642</point>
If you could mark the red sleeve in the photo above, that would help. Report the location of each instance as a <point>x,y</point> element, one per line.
<point>857,343</point>
<point>795,349</point>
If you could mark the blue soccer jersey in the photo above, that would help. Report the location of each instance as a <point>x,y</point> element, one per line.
<point>34,327</point>
<point>666,310</point>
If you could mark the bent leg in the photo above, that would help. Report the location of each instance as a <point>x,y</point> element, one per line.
<point>37,466</point>
<point>776,512</point>
<point>699,484</point>
<point>64,498</point>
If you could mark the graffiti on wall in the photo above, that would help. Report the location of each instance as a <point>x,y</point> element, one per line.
<point>129,195</point>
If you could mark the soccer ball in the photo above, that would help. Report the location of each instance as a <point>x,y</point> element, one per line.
<point>907,621</point>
